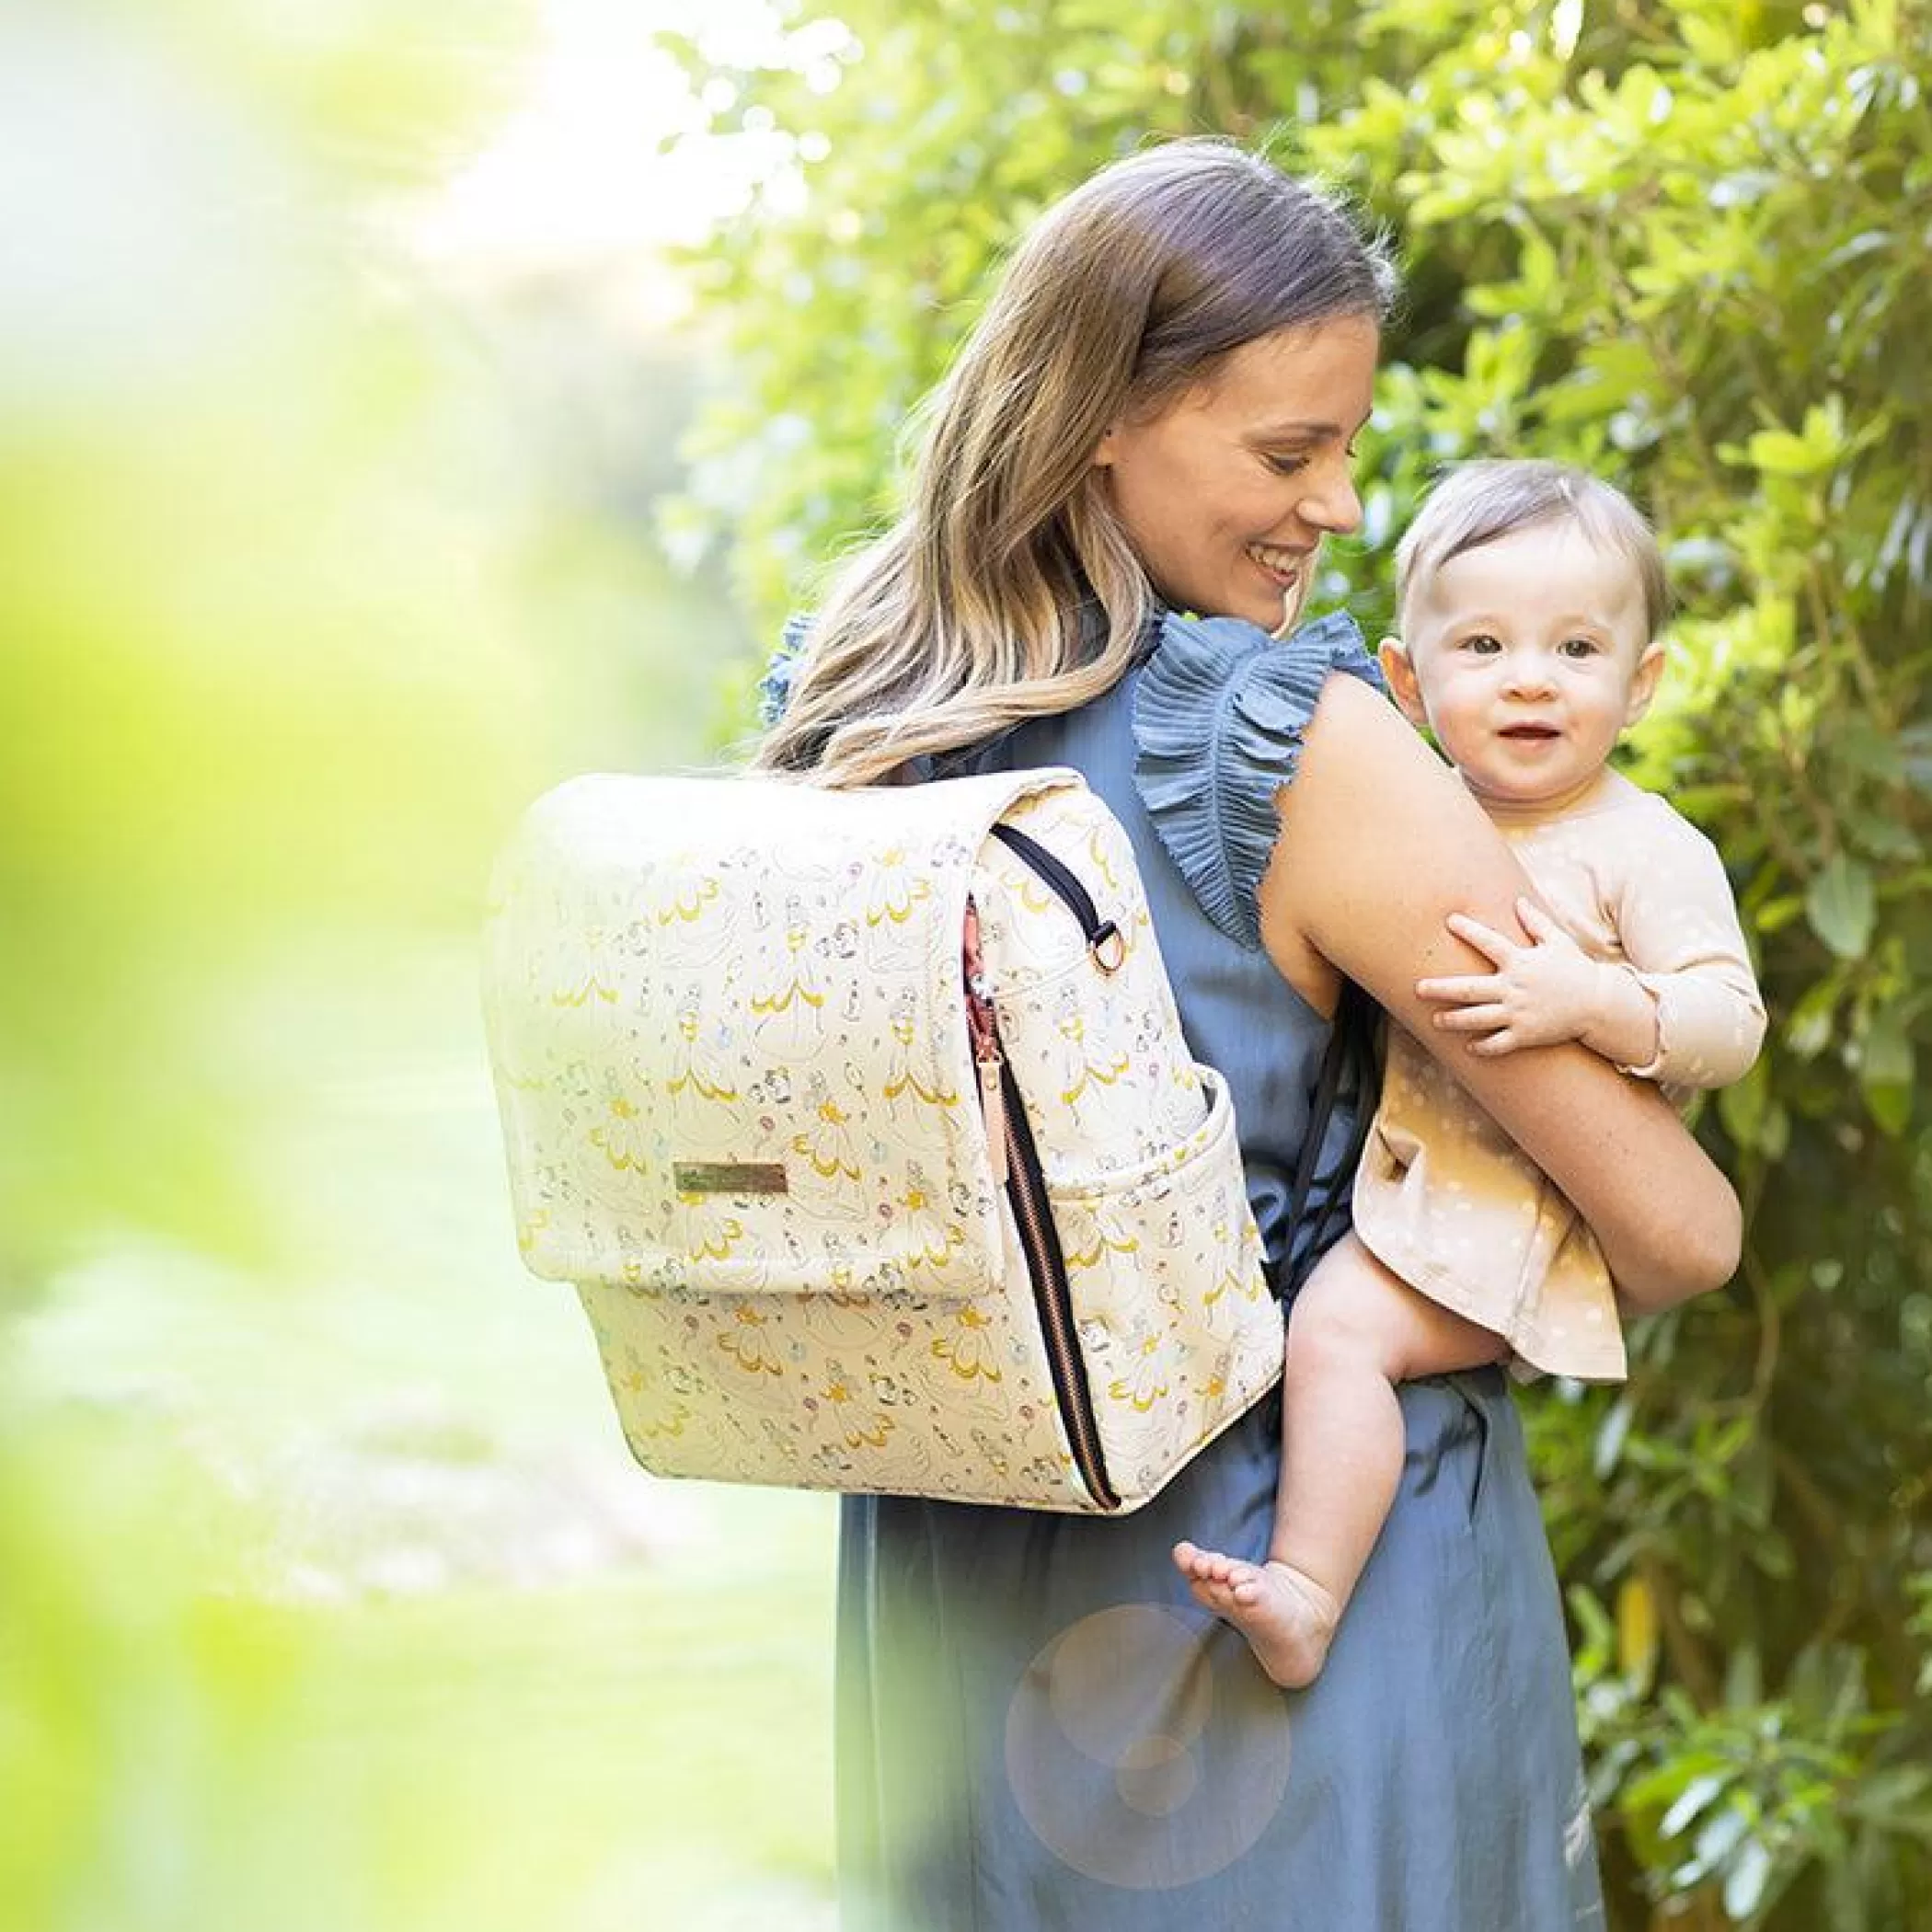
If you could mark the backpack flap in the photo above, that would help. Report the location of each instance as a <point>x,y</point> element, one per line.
<point>728,1036</point>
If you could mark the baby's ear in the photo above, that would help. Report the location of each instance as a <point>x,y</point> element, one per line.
<point>1643,682</point>
<point>1401,675</point>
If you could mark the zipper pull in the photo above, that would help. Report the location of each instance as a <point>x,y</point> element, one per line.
<point>992,1101</point>
<point>984,1029</point>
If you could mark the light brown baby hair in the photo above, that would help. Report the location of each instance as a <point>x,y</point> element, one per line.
<point>1477,502</point>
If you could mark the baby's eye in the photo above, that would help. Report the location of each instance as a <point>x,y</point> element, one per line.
<point>1481,644</point>
<point>1579,647</point>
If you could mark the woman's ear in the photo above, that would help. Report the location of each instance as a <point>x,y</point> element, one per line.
<point>1105,451</point>
<point>1643,682</point>
<point>1401,675</point>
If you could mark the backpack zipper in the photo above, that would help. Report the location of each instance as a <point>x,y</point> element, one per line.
<point>1016,1167</point>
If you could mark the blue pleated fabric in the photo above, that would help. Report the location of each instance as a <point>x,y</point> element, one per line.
<point>1037,1727</point>
<point>1218,697</point>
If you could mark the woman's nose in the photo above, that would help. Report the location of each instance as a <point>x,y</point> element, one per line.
<point>1333,505</point>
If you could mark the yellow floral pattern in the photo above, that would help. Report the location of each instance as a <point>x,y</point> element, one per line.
<point>742,1116</point>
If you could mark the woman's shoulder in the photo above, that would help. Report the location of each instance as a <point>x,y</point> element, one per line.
<point>1220,713</point>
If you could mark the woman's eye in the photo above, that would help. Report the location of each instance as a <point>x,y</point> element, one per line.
<point>1286,465</point>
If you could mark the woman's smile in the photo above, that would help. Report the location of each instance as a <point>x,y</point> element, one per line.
<point>1282,566</point>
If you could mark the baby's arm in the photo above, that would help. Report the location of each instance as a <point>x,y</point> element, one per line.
<point>1681,1007</point>
<point>1678,926</point>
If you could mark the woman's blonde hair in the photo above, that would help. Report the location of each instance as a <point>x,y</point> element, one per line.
<point>1007,589</point>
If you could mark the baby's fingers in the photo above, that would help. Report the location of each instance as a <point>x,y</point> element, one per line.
<point>1492,1046</point>
<point>1490,1027</point>
<point>1486,939</point>
<point>1472,1019</point>
<point>1459,989</point>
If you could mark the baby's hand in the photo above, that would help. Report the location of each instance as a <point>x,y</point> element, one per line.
<point>1539,994</point>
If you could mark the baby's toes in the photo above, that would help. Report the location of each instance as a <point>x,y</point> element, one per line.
<point>1244,1582</point>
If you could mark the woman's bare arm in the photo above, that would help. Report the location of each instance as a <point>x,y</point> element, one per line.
<point>1379,843</point>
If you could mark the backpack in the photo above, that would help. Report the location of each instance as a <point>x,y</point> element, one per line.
<point>863,1123</point>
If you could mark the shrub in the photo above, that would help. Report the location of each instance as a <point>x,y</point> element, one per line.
<point>1683,243</point>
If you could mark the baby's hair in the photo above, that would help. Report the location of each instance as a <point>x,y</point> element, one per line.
<point>1477,502</point>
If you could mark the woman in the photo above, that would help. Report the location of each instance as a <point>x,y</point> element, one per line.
<point>1038,1727</point>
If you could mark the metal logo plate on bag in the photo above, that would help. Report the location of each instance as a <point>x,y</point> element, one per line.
<point>729,1177</point>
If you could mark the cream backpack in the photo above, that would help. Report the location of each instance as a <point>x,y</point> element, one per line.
<point>863,1123</point>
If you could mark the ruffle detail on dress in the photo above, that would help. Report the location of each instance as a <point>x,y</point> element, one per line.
<point>1218,719</point>
<point>774,686</point>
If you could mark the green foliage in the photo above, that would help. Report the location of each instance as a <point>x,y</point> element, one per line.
<point>602,1743</point>
<point>1680,241</point>
<point>1696,272</point>
<point>952,126</point>
<point>273,569</point>
<point>258,674</point>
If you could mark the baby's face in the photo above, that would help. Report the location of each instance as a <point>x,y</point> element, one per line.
<point>1527,657</point>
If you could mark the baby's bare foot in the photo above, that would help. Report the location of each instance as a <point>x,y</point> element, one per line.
<point>1287,1618</point>
<point>1210,1576</point>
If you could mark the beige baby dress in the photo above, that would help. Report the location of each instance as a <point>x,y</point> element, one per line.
<point>1446,1199</point>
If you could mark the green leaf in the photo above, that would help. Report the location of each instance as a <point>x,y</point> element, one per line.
<point>1610,1436</point>
<point>1780,453</point>
<point>1893,1793</point>
<point>1885,1050</point>
<point>1809,1030</point>
<point>1745,1105</point>
<point>1672,1778</point>
<point>1863,746</point>
<point>1914,746</point>
<point>1721,1836</point>
<point>1744,1882</point>
<point>1889,1107</point>
<point>1777,913</point>
<point>1695,1798</point>
<point>1842,905</point>
<point>1743,1678</point>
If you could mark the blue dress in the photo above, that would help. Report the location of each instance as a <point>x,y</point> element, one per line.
<point>1038,1728</point>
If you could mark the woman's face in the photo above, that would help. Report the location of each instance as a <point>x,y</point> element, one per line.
<point>1226,491</point>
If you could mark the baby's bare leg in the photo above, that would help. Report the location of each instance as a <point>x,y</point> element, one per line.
<point>1357,1330</point>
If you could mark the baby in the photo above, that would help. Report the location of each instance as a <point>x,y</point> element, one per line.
<point>1529,596</point>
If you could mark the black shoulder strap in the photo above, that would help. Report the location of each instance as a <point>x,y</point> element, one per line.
<point>1351,1057</point>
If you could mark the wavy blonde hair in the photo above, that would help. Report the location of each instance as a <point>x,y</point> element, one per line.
<point>1007,588</point>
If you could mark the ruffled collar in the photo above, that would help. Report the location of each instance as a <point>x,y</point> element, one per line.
<point>1219,713</point>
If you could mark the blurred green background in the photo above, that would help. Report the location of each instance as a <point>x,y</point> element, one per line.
<point>340,372</point>
<point>402,409</point>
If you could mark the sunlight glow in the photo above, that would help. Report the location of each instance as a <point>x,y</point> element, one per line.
<point>605,158</point>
